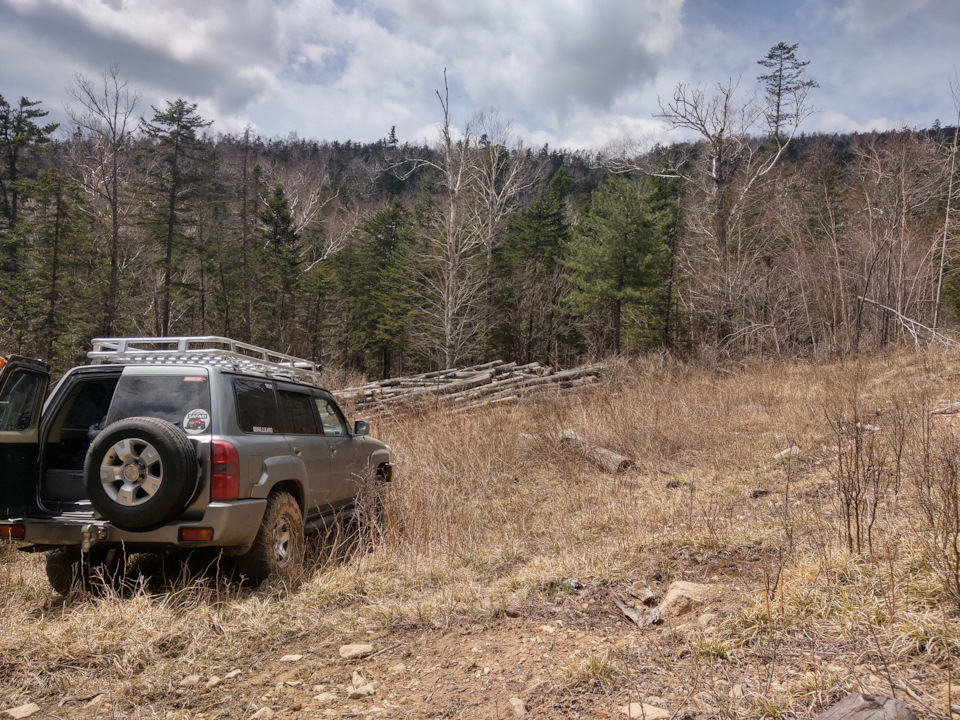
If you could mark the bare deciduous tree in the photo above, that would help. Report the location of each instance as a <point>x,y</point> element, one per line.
<point>106,120</point>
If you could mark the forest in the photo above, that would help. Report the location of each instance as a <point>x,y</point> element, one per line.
<point>748,237</point>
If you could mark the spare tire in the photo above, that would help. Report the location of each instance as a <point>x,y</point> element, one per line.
<point>140,472</point>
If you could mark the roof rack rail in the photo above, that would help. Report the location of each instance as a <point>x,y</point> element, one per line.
<point>206,349</point>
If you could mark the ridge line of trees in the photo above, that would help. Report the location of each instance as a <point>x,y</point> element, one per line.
<point>388,257</point>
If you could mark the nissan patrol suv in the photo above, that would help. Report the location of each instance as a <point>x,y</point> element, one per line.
<point>164,444</point>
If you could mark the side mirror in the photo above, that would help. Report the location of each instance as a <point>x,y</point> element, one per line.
<point>361,427</point>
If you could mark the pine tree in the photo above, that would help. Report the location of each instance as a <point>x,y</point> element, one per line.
<point>282,252</point>
<point>180,166</point>
<point>530,285</point>
<point>619,250</point>
<point>374,281</point>
<point>785,86</point>
<point>20,139</point>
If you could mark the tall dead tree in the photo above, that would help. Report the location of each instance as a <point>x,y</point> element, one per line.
<point>453,242</point>
<point>106,120</point>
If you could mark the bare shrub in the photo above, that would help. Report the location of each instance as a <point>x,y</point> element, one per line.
<point>937,485</point>
<point>868,468</point>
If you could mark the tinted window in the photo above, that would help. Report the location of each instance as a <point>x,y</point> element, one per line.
<point>168,397</point>
<point>91,404</point>
<point>298,409</point>
<point>257,410</point>
<point>333,423</point>
<point>18,400</point>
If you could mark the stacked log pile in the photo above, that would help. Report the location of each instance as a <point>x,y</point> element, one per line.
<point>464,389</point>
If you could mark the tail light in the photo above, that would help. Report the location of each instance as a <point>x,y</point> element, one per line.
<point>224,472</point>
<point>16,531</point>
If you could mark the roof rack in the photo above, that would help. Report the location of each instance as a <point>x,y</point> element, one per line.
<point>207,350</point>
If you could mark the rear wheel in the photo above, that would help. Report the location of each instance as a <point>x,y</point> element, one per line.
<point>278,547</point>
<point>140,472</point>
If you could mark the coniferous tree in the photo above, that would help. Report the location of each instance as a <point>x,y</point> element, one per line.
<point>281,251</point>
<point>618,253</point>
<point>20,139</point>
<point>376,291</point>
<point>785,86</point>
<point>179,167</point>
<point>531,286</point>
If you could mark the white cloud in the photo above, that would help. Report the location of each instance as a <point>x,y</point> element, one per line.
<point>569,72</point>
<point>868,16</point>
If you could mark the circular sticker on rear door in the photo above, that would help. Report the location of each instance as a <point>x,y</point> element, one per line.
<point>196,421</point>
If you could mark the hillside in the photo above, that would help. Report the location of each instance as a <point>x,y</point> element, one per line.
<point>508,566</point>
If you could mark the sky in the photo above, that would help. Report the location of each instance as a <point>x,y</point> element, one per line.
<point>578,74</point>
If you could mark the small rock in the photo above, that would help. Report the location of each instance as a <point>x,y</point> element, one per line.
<point>857,705</point>
<point>368,690</point>
<point>519,709</point>
<point>213,682</point>
<point>190,681</point>
<point>325,697</point>
<point>358,679</point>
<point>834,668</point>
<point>23,711</point>
<point>736,692</point>
<point>512,612</point>
<point>356,650</point>
<point>644,711</point>
<point>683,598</point>
<point>232,674</point>
<point>398,668</point>
<point>264,713</point>
<point>549,629</point>
<point>787,454</point>
<point>291,658</point>
<point>707,619</point>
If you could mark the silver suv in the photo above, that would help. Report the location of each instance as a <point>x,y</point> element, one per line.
<point>173,444</point>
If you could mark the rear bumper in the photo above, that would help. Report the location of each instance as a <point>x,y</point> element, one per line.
<point>234,525</point>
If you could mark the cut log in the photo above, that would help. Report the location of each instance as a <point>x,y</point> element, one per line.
<point>465,388</point>
<point>608,460</point>
<point>868,707</point>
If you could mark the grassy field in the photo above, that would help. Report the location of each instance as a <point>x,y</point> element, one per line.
<point>828,569</point>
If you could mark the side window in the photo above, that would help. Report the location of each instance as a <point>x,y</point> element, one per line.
<point>333,423</point>
<point>257,410</point>
<point>298,409</point>
<point>90,405</point>
<point>18,400</point>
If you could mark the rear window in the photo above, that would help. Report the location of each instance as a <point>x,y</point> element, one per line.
<point>183,400</point>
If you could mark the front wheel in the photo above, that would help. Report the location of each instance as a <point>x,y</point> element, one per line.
<point>278,547</point>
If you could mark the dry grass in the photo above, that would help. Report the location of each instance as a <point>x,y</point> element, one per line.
<point>496,535</point>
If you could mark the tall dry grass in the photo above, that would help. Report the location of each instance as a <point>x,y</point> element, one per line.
<point>843,550</point>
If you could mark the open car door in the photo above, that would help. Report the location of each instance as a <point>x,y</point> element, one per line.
<point>23,384</point>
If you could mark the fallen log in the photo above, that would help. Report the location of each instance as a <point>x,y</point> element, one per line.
<point>607,460</point>
<point>465,388</point>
